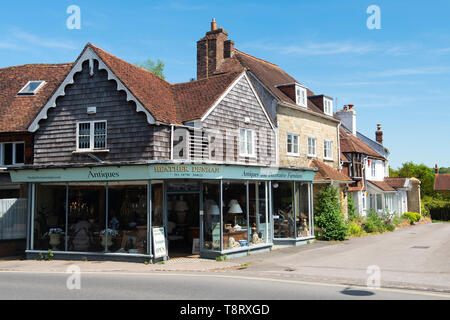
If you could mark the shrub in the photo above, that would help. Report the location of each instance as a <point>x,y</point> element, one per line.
<point>390,227</point>
<point>352,214</point>
<point>354,229</point>
<point>396,220</point>
<point>329,216</point>
<point>374,223</point>
<point>412,216</point>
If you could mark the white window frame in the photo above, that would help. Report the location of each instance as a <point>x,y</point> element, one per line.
<point>42,83</point>
<point>315,147</point>
<point>301,99</point>
<point>91,136</point>
<point>330,156</point>
<point>293,153</point>
<point>246,153</point>
<point>328,106</point>
<point>14,160</point>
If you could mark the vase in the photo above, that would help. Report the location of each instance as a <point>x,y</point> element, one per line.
<point>55,241</point>
<point>104,240</point>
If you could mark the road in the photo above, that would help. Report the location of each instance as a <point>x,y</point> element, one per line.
<point>416,257</point>
<point>414,263</point>
<point>187,286</point>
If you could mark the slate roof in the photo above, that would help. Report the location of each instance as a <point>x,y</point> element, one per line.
<point>17,112</point>
<point>442,182</point>
<point>327,173</point>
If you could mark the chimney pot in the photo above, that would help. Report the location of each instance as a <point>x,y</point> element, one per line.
<point>350,106</point>
<point>436,169</point>
<point>345,108</point>
<point>213,24</point>
<point>379,134</point>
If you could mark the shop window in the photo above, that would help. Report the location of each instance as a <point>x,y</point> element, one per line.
<point>157,205</point>
<point>235,233</point>
<point>211,216</point>
<point>283,209</point>
<point>50,217</point>
<point>87,218</point>
<point>258,214</point>
<point>303,214</point>
<point>127,218</point>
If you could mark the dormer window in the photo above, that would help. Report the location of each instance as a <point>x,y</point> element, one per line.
<point>300,96</point>
<point>31,88</point>
<point>328,106</point>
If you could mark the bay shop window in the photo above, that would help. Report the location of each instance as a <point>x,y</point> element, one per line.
<point>209,217</point>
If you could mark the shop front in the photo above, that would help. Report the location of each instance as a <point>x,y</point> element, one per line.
<point>162,210</point>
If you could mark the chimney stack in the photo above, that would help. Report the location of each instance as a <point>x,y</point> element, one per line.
<point>348,118</point>
<point>379,134</point>
<point>212,49</point>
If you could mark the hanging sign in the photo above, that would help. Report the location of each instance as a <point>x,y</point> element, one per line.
<point>159,242</point>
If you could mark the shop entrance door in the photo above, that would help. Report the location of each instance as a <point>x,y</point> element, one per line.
<point>183,223</point>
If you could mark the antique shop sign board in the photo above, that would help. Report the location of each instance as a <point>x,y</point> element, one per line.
<point>159,242</point>
<point>159,171</point>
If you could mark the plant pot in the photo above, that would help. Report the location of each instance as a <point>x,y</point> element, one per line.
<point>55,240</point>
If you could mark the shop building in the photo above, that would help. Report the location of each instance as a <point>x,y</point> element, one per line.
<point>128,166</point>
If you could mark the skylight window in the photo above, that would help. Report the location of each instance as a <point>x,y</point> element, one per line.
<point>31,88</point>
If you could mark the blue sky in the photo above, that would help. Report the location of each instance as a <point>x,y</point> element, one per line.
<point>398,76</point>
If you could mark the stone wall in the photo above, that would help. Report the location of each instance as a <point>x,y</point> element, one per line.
<point>305,125</point>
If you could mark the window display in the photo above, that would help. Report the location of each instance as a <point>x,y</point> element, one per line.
<point>258,215</point>
<point>302,220</point>
<point>235,223</point>
<point>283,210</point>
<point>86,216</point>
<point>127,219</point>
<point>50,217</point>
<point>211,215</point>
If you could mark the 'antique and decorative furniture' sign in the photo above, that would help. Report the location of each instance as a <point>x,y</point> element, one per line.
<point>159,242</point>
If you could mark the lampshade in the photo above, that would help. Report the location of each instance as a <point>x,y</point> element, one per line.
<point>235,207</point>
<point>181,205</point>
<point>213,209</point>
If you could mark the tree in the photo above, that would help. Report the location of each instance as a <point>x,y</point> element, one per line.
<point>155,68</point>
<point>329,217</point>
<point>421,172</point>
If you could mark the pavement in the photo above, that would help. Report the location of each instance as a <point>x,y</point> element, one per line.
<point>416,257</point>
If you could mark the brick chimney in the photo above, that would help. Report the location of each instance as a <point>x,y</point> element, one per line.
<point>379,134</point>
<point>212,49</point>
<point>348,118</point>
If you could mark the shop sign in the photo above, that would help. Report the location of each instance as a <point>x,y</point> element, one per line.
<point>159,242</point>
<point>160,171</point>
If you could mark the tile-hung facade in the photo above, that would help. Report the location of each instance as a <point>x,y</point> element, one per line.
<point>128,166</point>
<point>365,161</point>
<point>307,129</point>
<point>18,103</point>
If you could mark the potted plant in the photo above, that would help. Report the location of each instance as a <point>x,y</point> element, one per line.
<point>55,237</point>
<point>111,233</point>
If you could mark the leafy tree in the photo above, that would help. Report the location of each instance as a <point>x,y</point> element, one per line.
<point>329,217</point>
<point>444,170</point>
<point>155,68</point>
<point>421,172</point>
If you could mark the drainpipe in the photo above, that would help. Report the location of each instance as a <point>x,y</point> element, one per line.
<point>339,147</point>
<point>171,141</point>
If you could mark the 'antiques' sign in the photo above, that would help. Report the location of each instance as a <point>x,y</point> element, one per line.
<point>159,242</point>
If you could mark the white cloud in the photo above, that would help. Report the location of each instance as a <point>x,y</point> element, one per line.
<point>42,42</point>
<point>411,71</point>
